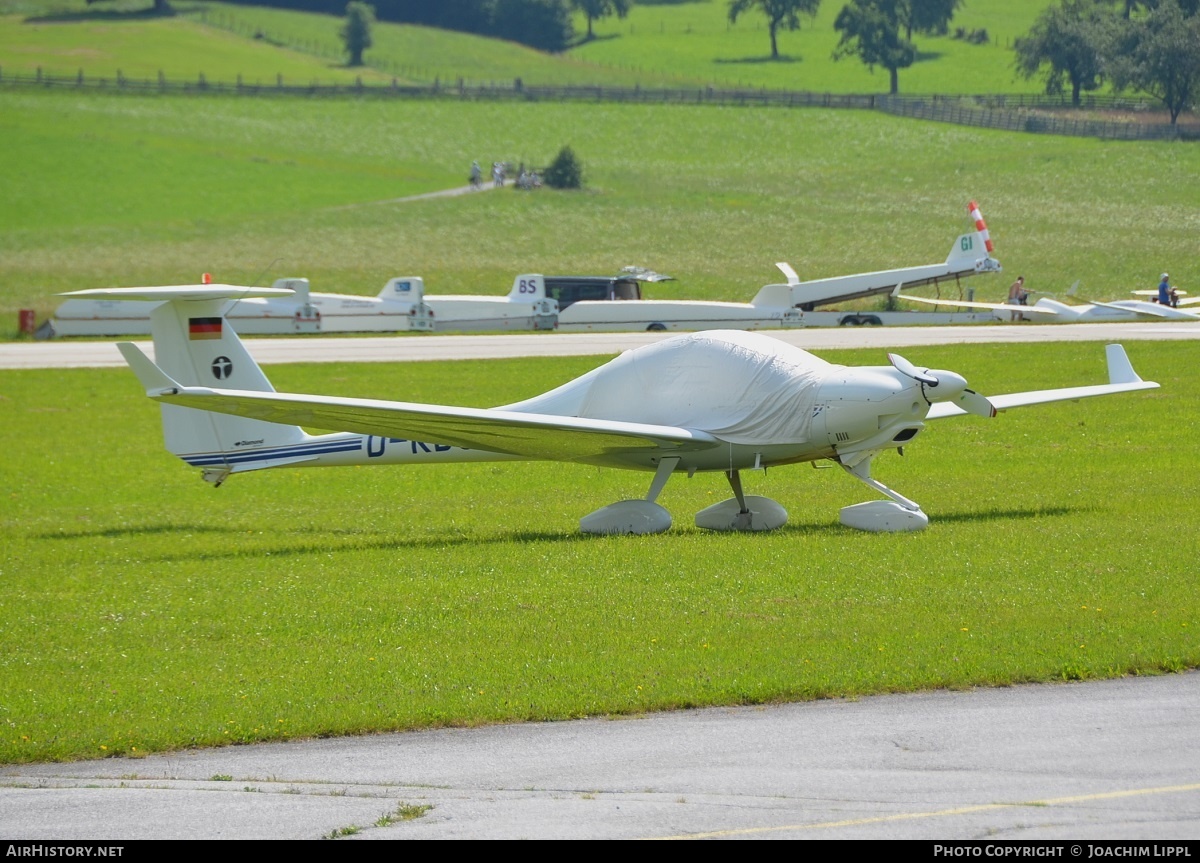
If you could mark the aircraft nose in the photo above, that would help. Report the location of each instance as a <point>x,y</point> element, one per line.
<point>949,386</point>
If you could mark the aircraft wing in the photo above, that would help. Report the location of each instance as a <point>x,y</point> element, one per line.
<point>534,436</point>
<point>1121,379</point>
<point>1000,307</point>
<point>179,292</point>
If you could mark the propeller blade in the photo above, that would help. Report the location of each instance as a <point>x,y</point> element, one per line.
<point>974,403</point>
<point>906,368</point>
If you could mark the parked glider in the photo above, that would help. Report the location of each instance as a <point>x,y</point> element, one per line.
<point>1048,309</point>
<point>722,400</point>
<point>537,302</point>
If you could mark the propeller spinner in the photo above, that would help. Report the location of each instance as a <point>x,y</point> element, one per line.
<point>940,385</point>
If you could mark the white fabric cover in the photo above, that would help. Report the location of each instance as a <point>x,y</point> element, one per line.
<point>743,387</point>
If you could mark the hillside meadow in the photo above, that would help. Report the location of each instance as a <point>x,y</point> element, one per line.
<point>125,190</point>
<point>145,611</point>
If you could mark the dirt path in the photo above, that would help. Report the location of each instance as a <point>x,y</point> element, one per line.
<point>442,193</point>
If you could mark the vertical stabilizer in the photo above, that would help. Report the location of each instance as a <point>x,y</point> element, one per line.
<point>195,345</point>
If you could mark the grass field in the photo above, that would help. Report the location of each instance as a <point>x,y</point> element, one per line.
<point>144,611</point>
<point>129,190</point>
<point>675,44</point>
<point>697,40</point>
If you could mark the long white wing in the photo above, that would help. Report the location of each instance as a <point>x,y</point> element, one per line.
<point>965,304</point>
<point>1121,379</point>
<point>536,436</point>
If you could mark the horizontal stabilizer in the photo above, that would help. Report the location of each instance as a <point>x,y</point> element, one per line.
<point>154,379</point>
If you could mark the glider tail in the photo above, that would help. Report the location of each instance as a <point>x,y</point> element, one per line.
<point>195,345</point>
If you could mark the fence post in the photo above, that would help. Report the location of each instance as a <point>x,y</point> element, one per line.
<point>79,79</point>
<point>120,78</point>
<point>162,80</point>
<point>279,80</point>
<point>39,74</point>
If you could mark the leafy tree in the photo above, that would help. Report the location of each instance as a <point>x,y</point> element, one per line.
<point>780,13</point>
<point>356,32</point>
<point>594,9</point>
<point>1069,39</point>
<point>1160,55</point>
<point>566,171</point>
<point>927,16</point>
<point>542,24</point>
<point>871,31</point>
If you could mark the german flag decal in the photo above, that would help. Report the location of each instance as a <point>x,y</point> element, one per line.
<point>204,328</point>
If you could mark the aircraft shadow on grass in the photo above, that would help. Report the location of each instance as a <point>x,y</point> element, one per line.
<point>137,530</point>
<point>986,515</point>
<point>383,542</point>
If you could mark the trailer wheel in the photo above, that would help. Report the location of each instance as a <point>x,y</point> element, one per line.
<point>656,328</point>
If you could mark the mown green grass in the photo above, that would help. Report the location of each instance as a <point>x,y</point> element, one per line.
<point>426,54</point>
<point>260,45</point>
<point>697,40</point>
<point>145,611</point>
<point>129,190</point>
<point>687,44</point>
<point>140,47</point>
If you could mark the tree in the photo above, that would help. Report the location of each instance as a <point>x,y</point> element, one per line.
<point>356,32</point>
<point>161,7</point>
<point>594,9</point>
<point>542,24</point>
<point>871,31</point>
<point>1160,55</point>
<point>1070,40</point>
<point>927,16</point>
<point>565,172</point>
<point>780,13</point>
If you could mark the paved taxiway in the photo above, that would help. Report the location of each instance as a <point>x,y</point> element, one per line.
<point>1100,760</point>
<point>69,353</point>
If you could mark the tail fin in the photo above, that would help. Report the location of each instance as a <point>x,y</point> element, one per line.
<point>528,287</point>
<point>974,250</point>
<point>407,289</point>
<point>194,345</point>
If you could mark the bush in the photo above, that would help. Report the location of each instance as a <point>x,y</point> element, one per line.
<point>565,172</point>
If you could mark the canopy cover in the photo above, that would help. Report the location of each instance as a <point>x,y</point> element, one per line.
<point>743,387</point>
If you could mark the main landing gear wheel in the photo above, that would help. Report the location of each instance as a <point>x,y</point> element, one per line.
<point>627,516</point>
<point>634,516</point>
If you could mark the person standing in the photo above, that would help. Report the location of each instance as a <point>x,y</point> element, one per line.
<point>1164,290</point>
<point>1017,297</point>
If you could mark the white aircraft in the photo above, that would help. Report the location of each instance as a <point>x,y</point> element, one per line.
<point>1048,309</point>
<point>538,302</point>
<point>720,400</point>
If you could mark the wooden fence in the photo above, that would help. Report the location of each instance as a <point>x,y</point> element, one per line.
<point>1014,113</point>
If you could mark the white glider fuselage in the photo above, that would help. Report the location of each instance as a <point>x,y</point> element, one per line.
<point>862,408</point>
